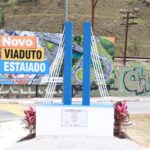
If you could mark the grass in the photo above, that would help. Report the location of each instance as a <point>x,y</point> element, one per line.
<point>140,130</point>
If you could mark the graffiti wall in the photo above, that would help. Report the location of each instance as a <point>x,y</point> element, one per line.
<point>128,81</point>
<point>131,81</point>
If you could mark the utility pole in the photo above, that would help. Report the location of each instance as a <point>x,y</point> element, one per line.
<point>66,10</point>
<point>94,2</point>
<point>128,16</point>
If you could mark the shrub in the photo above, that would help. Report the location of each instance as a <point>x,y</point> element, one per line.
<point>121,117</point>
<point>147,2</point>
<point>2,19</point>
<point>78,39</point>
<point>12,3</point>
<point>30,120</point>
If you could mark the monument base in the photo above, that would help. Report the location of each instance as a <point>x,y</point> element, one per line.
<point>59,119</point>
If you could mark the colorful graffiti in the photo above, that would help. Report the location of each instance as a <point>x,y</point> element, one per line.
<point>139,80</point>
<point>128,81</point>
<point>131,81</point>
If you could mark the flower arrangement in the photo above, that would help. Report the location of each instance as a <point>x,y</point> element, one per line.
<point>30,123</point>
<point>121,118</point>
<point>30,120</point>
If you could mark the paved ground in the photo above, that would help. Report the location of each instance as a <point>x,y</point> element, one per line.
<point>76,143</point>
<point>10,132</point>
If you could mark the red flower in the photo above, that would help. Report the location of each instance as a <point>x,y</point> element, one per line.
<point>30,118</point>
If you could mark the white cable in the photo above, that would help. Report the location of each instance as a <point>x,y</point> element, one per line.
<point>99,66</point>
<point>54,71</point>
<point>52,85</point>
<point>98,70</point>
<point>97,75</point>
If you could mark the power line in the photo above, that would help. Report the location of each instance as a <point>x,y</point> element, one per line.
<point>66,10</point>
<point>94,3</point>
<point>128,16</point>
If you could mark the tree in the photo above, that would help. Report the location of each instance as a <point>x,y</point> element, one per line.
<point>2,18</point>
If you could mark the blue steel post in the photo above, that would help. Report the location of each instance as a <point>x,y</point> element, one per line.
<point>86,63</point>
<point>67,97</point>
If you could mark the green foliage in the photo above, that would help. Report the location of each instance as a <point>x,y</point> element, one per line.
<point>130,2</point>
<point>111,81</point>
<point>15,9</point>
<point>12,2</point>
<point>146,2</point>
<point>109,46</point>
<point>78,40</point>
<point>75,61</point>
<point>2,19</point>
<point>5,1</point>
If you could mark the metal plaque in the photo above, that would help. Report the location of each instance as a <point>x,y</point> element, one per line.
<point>74,118</point>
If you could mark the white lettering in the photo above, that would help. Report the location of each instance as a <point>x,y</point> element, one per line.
<point>42,67</point>
<point>22,67</point>
<point>30,67</point>
<point>12,68</point>
<point>6,66</point>
<point>17,64</point>
<point>21,42</point>
<point>29,42</point>
<point>14,42</point>
<point>8,41</point>
<point>36,66</point>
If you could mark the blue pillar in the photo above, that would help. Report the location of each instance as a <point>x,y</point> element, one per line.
<point>67,97</point>
<point>86,63</point>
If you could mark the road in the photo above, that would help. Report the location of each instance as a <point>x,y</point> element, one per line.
<point>11,111</point>
<point>16,111</point>
<point>5,116</point>
<point>138,107</point>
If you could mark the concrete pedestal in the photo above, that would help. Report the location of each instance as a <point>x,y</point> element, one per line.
<point>59,119</point>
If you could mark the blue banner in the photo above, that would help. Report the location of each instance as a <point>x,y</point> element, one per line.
<point>24,57</point>
<point>24,67</point>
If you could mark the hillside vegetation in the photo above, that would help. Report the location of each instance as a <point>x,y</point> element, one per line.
<point>48,16</point>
